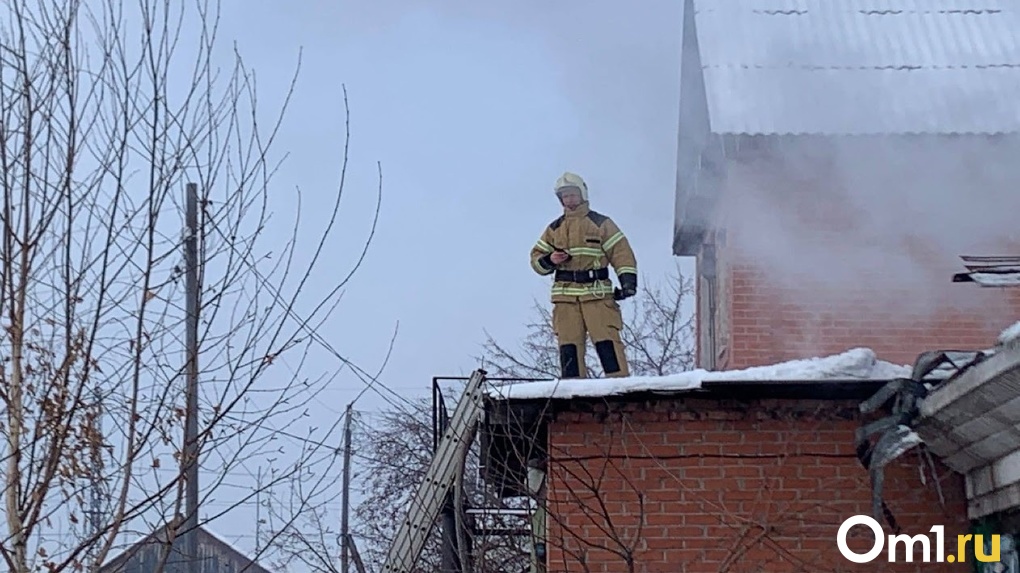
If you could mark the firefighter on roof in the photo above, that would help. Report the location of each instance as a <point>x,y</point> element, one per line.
<point>578,247</point>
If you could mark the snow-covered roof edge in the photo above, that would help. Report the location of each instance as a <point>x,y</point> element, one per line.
<point>1010,335</point>
<point>854,364</point>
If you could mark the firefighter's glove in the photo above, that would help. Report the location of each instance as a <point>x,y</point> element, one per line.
<point>628,287</point>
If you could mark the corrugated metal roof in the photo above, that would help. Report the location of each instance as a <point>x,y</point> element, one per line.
<point>861,66</point>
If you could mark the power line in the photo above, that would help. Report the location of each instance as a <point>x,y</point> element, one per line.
<point>303,322</point>
<point>315,336</point>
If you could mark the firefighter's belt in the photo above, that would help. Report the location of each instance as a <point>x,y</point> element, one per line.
<point>588,276</point>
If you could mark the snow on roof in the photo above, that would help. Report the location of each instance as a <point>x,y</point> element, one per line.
<point>854,364</point>
<point>860,66</point>
<point>990,271</point>
<point>1011,334</point>
<point>996,279</point>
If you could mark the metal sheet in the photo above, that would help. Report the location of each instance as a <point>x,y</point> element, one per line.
<point>860,67</point>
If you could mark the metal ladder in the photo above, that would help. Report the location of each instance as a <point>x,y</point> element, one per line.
<point>442,473</point>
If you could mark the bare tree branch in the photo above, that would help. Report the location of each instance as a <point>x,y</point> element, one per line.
<point>107,109</point>
<point>658,336</point>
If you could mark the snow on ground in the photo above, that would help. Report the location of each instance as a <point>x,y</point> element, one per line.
<point>854,364</point>
<point>1011,334</point>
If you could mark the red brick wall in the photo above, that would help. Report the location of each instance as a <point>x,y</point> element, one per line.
<point>703,487</point>
<point>814,261</point>
<point>771,322</point>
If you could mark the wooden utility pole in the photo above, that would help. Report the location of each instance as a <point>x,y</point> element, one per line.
<point>258,510</point>
<point>191,288</point>
<point>345,510</point>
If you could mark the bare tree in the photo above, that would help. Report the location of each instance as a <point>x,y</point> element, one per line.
<point>590,523</point>
<point>105,114</point>
<point>658,335</point>
<point>394,449</point>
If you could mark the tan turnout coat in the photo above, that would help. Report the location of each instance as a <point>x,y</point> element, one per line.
<point>593,241</point>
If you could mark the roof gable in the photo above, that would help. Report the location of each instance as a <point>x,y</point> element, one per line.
<point>860,66</point>
<point>154,543</point>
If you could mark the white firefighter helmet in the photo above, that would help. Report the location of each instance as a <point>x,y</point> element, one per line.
<point>571,181</point>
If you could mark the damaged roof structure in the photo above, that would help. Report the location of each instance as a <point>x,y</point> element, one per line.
<point>969,417</point>
<point>963,405</point>
<point>972,422</point>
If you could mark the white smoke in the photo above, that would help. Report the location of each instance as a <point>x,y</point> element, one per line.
<point>866,223</point>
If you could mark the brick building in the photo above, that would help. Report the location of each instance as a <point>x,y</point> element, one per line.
<point>827,205</point>
<point>834,162</point>
<point>748,471</point>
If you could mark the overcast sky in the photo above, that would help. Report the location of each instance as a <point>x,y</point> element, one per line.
<point>474,110</point>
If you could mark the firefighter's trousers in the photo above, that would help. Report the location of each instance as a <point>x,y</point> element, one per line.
<point>602,320</point>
